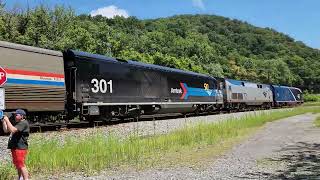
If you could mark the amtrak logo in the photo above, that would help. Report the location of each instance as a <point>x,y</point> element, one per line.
<point>265,94</point>
<point>176,91</point>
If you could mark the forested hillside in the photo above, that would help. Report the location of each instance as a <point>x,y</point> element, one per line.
<point>202,43</point>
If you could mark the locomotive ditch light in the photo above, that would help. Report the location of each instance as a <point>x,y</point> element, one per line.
<point>94,110</point>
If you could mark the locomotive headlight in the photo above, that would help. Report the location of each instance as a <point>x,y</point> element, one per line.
<point>94,110</point>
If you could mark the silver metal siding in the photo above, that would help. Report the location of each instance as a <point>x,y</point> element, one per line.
<point>32,97</point>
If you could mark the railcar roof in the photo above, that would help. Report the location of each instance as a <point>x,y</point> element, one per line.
<point>20,47</point>
<point>136,63</point>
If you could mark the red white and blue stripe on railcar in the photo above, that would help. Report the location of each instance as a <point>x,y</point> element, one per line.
<point>25,77</point>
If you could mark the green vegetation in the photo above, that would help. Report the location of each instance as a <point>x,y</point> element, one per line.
<point>311,104</point>
<point>7,172</point>
<point>208,44</point>
<point>311,97</point>
<point>317,121</point>
<point>97,152</point>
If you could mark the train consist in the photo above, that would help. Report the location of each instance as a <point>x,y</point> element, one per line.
<point>53,85</point>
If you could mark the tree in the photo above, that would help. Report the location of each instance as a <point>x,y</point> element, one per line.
<point>207,44</point>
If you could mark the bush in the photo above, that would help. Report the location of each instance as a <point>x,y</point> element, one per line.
<point>311,97</point>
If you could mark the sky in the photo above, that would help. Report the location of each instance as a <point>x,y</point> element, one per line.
<point>296,18</point>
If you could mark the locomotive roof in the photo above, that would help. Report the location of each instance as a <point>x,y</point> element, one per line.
<point>153,66</point>
<point>136,63</point>
<point>238,82</point>
<point>9,45</point>
<point>89,55</point>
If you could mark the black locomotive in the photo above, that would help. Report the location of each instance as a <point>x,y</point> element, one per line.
<point>108,87</point>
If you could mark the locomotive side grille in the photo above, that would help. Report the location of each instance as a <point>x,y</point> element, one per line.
<point>149,84</point>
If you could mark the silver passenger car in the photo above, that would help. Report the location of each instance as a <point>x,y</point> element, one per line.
<point>35,78</point>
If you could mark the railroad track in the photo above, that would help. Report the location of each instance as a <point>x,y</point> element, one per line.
<point>73,125</point>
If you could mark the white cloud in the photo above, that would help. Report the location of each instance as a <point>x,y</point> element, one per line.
<point>198,4</point>
<point>110,12</point>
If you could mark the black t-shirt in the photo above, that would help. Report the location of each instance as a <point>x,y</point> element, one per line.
<point>19,140</point>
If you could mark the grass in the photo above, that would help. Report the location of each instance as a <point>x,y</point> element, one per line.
<point>7,172</point>
<point>311,104</point>
<point>311,97</point>
<point>317,122</point>
<point>97,152</point>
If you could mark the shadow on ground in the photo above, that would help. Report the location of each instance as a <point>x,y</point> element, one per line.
<point>301,161</point>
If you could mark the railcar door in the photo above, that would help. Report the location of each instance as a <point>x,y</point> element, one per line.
<point>70,83</point>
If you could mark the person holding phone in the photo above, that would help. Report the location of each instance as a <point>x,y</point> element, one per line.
<point>18,141</point>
